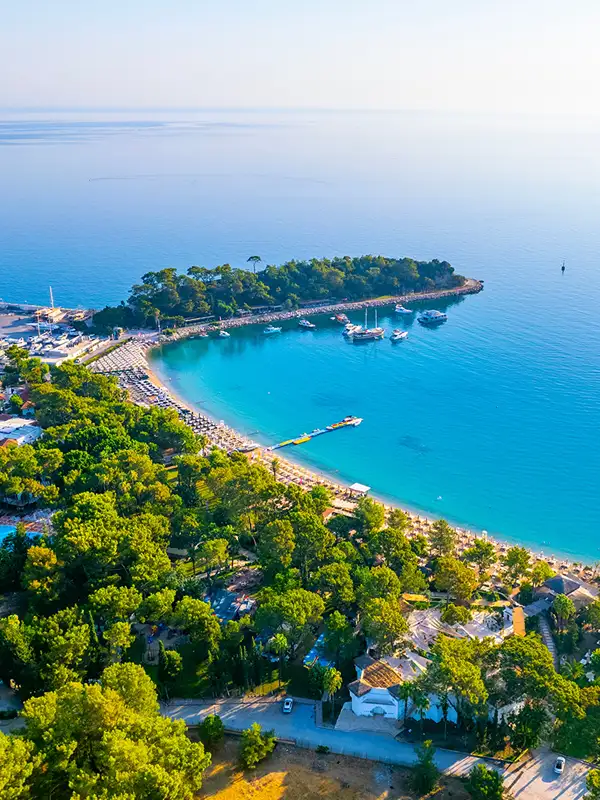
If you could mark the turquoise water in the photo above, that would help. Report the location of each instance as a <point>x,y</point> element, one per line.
<point>487,442</point>
<point>497,412</point>
<point>5,530</point>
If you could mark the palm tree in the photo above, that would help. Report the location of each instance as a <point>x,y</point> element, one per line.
<point>421,701</point>
<point>255,260</point>
<point>279,645</point>
<point>275,467</point>
<point>332,683</point>
<point>404,693</point>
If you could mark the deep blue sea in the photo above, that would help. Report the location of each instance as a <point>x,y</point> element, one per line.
<point>491,420</point>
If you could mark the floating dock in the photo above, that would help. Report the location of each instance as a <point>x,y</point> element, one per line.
<point>347,422</point>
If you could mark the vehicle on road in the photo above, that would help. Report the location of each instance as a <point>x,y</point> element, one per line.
<point>559,765</point>
<point>288,704</point>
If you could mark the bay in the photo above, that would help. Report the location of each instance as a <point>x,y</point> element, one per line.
<point>497,412</point>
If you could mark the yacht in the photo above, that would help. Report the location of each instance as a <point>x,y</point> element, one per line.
<point>398,335</point>
<point>271,329</point>
<point>224,334</point>
<point>350,420</point>
<point>400,309</point>
<point>367,334</point>
<point>432,317</point>
<point>305,323</point>
<point>351,329</point>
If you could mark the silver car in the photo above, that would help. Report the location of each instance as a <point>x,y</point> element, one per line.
<point>559,765</point>
<point>288,704</point>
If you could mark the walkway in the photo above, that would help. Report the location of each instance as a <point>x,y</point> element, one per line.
<point>546,634</point>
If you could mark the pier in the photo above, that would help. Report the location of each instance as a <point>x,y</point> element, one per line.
<point>306,437</point>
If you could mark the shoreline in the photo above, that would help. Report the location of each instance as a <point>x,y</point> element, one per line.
<point>145,385</point>
<point>471,286</point>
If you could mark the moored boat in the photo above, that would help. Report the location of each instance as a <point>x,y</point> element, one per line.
<point>400,309</point>
<point>432,317</point>
<point>270,329</point>
<point>224,334</point>
<point>341,318</point>
<point>307,324</point>
<point>398,335</point>
<point>367,334</point>
<point>350,420</point>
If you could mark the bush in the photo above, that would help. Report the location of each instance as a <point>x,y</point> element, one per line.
<point>484,783</point>
<point>425,773</point>
<point>211,730</point>
<point>322,749</point>
<point>256,745</point>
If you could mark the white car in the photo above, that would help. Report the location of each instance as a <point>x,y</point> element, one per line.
<point>288,704</point>
<point>559,765</point>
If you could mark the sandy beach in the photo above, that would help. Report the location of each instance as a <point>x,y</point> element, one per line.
<point>131,365</point>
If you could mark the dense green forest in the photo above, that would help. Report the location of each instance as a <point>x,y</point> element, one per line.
<point>224,290</point>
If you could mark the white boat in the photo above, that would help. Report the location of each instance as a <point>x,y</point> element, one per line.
<point>305,323</point>
<point>400,309</point>
<point>271,329</point>
<point>224,334</point>
<point>367,334</point>
<point>432,317</point>
<point>350,329</point>
<point>398,335</point>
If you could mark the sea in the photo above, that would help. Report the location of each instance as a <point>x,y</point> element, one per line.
<point>491,420</point>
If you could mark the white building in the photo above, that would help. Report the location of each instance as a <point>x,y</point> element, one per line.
<point>19,430</point>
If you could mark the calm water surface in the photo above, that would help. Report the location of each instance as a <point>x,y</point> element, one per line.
<point>497,412</point>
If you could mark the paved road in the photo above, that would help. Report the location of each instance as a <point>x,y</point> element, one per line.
<point>536,779</point>
<point>533,781</point>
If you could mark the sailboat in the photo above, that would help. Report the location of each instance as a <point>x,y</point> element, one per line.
<point>367,334</point>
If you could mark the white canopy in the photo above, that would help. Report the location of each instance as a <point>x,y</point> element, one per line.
<point>359,487</point>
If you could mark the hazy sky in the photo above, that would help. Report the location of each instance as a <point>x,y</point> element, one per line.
<point>505,55</point>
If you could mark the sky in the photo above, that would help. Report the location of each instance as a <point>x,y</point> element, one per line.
<point>525,56</point>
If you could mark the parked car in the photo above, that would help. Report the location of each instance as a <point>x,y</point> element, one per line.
<point>288,704</point>
<point>559,765</point>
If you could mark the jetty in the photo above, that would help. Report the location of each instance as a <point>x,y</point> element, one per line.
<point>349,421</point>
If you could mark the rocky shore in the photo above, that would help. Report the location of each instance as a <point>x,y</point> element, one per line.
<point>471,286</point>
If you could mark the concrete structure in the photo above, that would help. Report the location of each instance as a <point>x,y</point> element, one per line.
<point>19,430</point>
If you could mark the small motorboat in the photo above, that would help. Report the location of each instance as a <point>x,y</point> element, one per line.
<point>400,309</point>
<point>270,329</point>
<point>306,324</point>
<point>398,335</point>
<point>224,334</point>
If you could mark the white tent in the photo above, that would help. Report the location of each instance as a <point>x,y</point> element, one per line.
<point>360,488</point>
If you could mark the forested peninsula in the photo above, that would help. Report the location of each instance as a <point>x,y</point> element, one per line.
<point>224,291</point>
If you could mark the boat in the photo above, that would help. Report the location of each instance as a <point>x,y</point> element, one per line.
<point>271,329</point>
<point>305,323</point>
<point>301,439</point>
<point>367,334</point>
<point>400,309</point>
<point>317,432</point>
<point>341,318</point>
<point>224,334</point>
<point>432,317</point>
<point>398,335</point>
<point>351,329</point>
<point>350,420</point>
